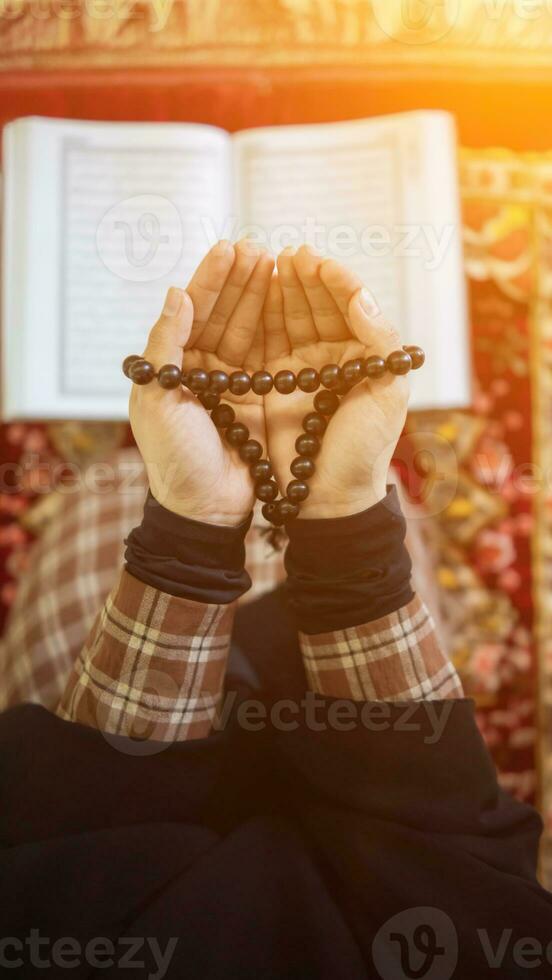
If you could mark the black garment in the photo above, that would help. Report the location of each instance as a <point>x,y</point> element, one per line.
<point>348,570</point>
<point>341,571</point>
<point>191,559</point>
<point>270,854</point>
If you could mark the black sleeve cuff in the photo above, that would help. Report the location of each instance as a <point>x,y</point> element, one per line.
<point>186,558</point>
<point>349,570</point>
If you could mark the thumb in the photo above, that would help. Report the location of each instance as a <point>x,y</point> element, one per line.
<point>170,334</point>
<point>370,326</point>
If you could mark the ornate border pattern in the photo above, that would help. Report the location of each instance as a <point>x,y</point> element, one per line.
<point>164,33</point>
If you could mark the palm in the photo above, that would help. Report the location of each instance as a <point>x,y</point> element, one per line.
<point>227,292</point>
<point>313,318</point>
<point>223,462</point>
<point>285,413</point>
<point>191,467</point>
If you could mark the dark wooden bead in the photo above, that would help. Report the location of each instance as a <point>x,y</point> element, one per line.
<point>343,388</point>
<point>374,367</point>
<point>262,382</point>
<point>417,356</point>
<point>302,467</point>
<point>128,362</point>
<point>268,511</point>
<point>197,380</point>
<point>266,490</point>
<point>286,509</point>
<point>308,379</point>
<point>209,399</point>
<point>330,375</point>
<point>353,371</point>
<point>307,445</point>
<point>240,382</point>
<point>277,517</point>
<point>399,362</point>
<point>326,402</point>
<point>141,372</point>
<point>223,415</point>
<point>315,422</point>
<point>169,376</point>
<point>285,382</point>
<point>297,490</point>
<point>218,381</point>
<point>237,433</point>
<point>261,470</point>
<point>251,451</point>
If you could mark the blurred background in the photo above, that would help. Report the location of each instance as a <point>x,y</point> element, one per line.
<point>245,63</point>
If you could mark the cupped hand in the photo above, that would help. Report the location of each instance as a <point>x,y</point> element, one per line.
<point>316,313</point>
<point>215,325</point>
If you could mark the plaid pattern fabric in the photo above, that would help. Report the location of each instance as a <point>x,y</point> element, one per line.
<point>395,658</point>
<point>72,568</point>
<point>153,667</point>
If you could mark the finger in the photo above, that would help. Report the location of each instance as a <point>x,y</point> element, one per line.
<point>255,359</point>
<point>239,334</point>
<point>246,256</point>
<point>206,283</point>
<point>327,316</point>
<point>170,334</point>
<point>340,282</point>
<point>297,313</point>
<point>276,340</point>
<point>369,325</point>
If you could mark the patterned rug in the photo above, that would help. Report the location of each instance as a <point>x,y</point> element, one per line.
<point>492,494</point>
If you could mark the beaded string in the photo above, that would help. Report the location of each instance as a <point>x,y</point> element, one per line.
<point>336,381</point>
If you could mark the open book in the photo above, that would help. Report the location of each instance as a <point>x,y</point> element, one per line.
<point>100,218</point>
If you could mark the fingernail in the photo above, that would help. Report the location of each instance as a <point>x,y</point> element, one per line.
<point>368,302</point>
<point>248,247</point>
<point>223,246</point>
<point>173,302</point>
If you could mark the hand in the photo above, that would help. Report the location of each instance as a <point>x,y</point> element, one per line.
<point>317,313</point>
<point>215,324</point>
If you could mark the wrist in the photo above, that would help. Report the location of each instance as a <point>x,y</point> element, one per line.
<point>220,518</point>
<point>321,510</point>
<point>344,505</point>
<point>197,510</point>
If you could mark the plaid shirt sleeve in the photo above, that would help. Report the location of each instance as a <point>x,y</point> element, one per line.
<point>153,666</point>
<point>395,658</point>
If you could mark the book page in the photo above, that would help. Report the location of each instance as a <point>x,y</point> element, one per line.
<point>319,187</point>
<point>380,196</point>
<point>128,208</point>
